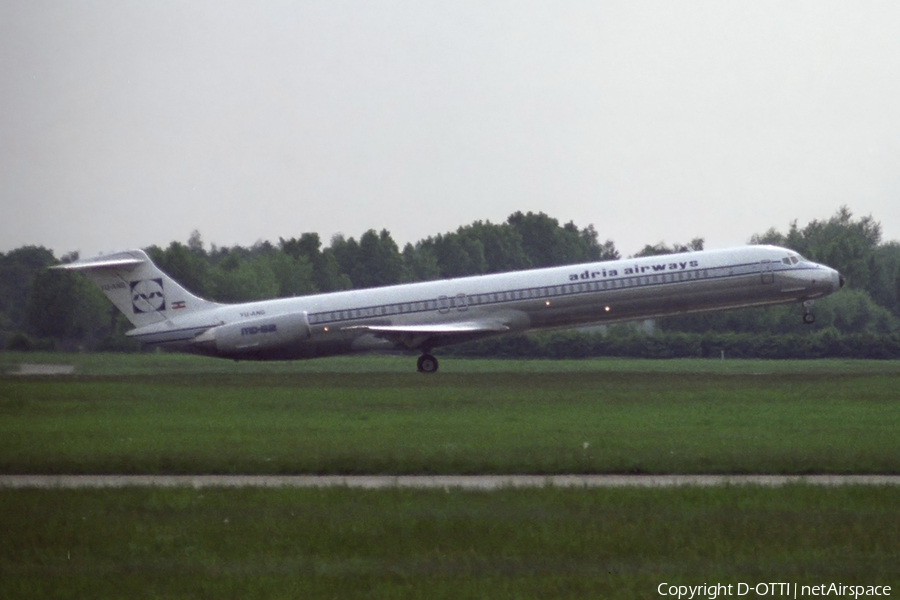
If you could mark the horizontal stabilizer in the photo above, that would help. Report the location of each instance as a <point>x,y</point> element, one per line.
<point>144,294</point>
<point>112,262</point>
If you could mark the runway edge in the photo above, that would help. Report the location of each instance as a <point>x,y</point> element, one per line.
<point>466,482</point>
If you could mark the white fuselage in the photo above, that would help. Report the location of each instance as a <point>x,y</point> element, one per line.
<point>421,316</point>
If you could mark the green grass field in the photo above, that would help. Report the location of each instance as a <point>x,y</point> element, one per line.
<point>160,363</point>
<point>341,543</point>
<point>173,414</point>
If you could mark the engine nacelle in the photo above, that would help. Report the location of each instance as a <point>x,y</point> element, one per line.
<point>265,333</point>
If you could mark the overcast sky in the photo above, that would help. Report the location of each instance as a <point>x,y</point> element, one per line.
<point>125,123</point>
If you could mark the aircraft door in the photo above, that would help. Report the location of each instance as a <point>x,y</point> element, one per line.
<point>304,320</point>
<point>462,302</point>
<point>765,269</point>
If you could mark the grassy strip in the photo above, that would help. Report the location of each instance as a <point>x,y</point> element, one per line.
<point>341,543</point>
<point>600,421</point>
<point>160,363</point>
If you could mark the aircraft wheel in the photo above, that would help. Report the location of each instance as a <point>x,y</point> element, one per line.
<point>427,364</point>
<point>809,318</point>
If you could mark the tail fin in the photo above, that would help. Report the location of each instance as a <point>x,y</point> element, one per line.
<point>137,287</point>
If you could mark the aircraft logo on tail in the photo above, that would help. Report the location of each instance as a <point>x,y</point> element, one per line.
<point>147,296</point>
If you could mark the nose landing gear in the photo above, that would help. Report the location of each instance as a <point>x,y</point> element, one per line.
<point>426,364</point>
<point>808,317</point>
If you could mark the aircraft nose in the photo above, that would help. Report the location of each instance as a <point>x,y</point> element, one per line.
<point>837,280</point>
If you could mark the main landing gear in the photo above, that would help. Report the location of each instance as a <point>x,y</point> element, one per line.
<point>808,317</point>
<point>427,364</point>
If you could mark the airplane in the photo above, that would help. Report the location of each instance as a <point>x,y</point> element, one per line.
<point>418,317</point>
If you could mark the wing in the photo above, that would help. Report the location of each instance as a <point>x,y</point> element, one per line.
<point>432,334</point>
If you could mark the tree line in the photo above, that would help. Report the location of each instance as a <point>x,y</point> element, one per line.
<point>51,309</point>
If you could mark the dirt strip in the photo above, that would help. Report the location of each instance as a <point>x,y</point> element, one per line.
<point>41,369</point>
<point>467,482</point>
